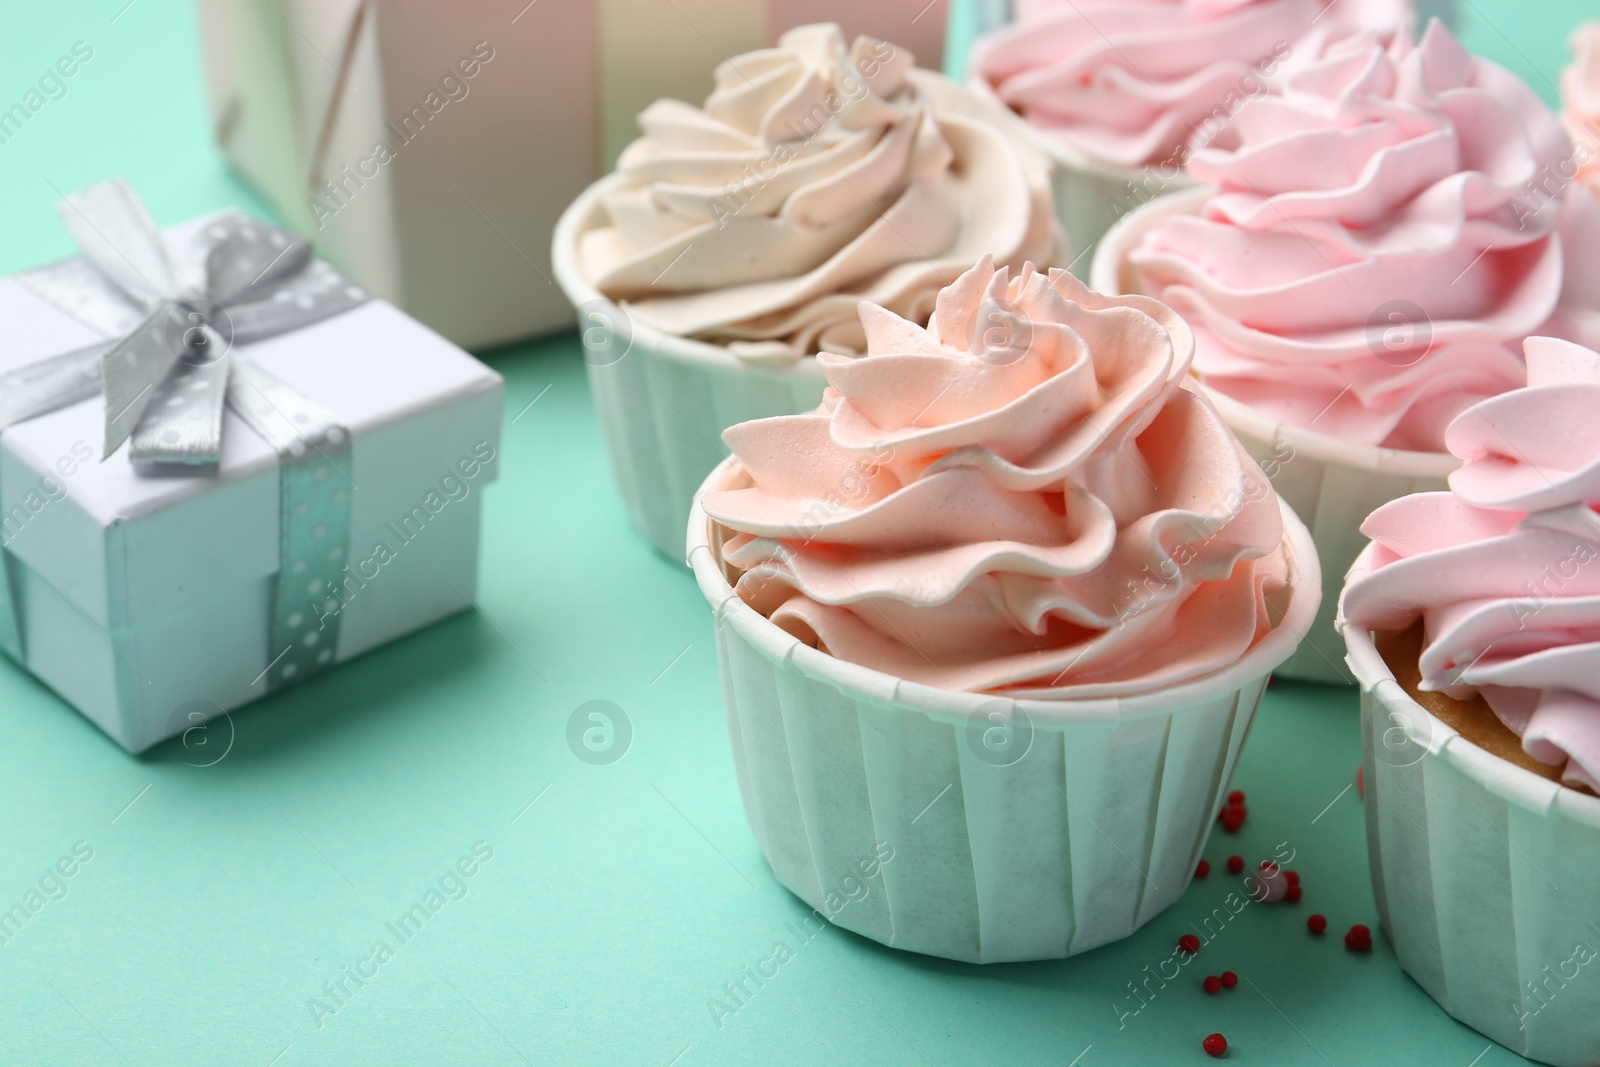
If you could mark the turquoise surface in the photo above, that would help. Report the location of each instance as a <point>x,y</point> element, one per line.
<point>219,902</point>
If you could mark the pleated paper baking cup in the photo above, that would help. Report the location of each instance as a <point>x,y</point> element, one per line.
<point>1487,876</point>
<point>1089,197</point>
<point>1333,485</point>
<point>664,401</point>
<point>966,825</point>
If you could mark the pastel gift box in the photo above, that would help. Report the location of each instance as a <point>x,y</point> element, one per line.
<point>142,597</point>
<point>452,220</point>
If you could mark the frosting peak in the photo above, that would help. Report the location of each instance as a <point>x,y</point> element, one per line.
<point>1502,569</point>
<point>1023,496</point>
<point>1372,258</point>
<point>816,175</point>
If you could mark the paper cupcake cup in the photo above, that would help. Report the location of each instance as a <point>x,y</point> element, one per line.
<point>664,401</point>
<point>1090,197</point>
<point>1333,485</point>
<point>1487,876</point>
<point>1016,829</point>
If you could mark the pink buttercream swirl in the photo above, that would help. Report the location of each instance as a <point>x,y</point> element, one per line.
<point>1502,569</point>
<point>1025,495</point>
<point>1131,82</point>
<point>1373,257</point>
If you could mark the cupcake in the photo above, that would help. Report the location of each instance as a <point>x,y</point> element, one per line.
<point>1580,96</point>
<point>1004,604</point>
<point>1363,266</point>
<point>1118,93</point>
<point>1473,624</point>
<point>735,240</point>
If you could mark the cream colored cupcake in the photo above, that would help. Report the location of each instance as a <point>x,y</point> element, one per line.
<point>736,239</point>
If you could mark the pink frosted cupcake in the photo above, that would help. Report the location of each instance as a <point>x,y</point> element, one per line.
<point>1015,557</point>
<point>1364,266</point>
<point>1473,625</point>
<point>1119,91</point>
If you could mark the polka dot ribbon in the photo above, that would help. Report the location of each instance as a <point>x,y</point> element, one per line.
<point>172,313</point>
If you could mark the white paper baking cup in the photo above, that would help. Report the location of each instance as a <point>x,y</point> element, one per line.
<point>1487,876</point>
<point>1020,829</point>
<point>1333,485</point>
<point>664,401</point>
<point>1089,197</point>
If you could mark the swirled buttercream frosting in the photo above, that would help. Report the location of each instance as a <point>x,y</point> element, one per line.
<point>1504,569</point>
<point>1372,258</point>
<point>1026,495</point>
<point>1132,82</point>
<point>815,176</point>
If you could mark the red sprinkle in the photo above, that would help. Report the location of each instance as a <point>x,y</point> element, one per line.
<point>1232,825</point>
<point>1202,869</point>
<point>1216,1044</point>
<point>1317,923</point>
<point>1229,979</point>
<point>1359,939</point>
<point>1269,868</point>
<point>1236,797</point>
<point>1293,893</point>
<point>1235,864</point>
<point>1212,983</point>
<point>1294,879</point>
<point>1361,781</point>
<point>1189,943</point>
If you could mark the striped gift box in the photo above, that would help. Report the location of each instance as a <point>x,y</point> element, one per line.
<point>429,148</point>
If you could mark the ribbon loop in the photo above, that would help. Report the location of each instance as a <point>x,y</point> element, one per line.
<point>246,264</point>
<point>109,224</point>
<point>166,377</point>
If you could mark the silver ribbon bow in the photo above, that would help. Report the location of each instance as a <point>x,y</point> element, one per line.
<point>172,316</point>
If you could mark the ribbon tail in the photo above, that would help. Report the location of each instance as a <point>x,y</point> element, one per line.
<point>133,372</point>
<point>109,224</point>
<point>183,425</point>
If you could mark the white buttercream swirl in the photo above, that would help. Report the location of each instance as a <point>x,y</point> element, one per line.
<point>816,176</point>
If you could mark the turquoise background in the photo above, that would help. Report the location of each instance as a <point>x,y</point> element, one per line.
<point>221,898</point>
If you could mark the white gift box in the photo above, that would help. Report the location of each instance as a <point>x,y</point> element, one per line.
<point>141,597</point>
<point>1485,874</point>
<point>1088,829</point>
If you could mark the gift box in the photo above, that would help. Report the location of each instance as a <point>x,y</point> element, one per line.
<point>224,551</point>
<point>418,144</point>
